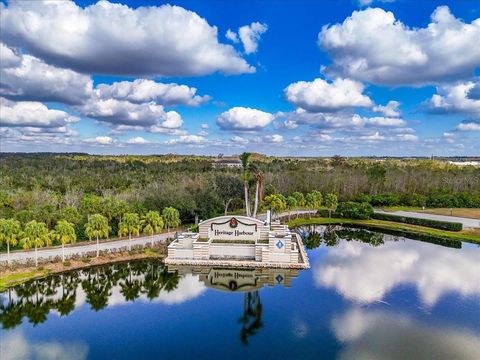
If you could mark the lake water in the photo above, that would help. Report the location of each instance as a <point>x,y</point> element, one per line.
<point>366,296</point>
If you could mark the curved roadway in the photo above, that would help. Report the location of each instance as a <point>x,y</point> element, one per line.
<point>82,249</point>
<point>467,222</point>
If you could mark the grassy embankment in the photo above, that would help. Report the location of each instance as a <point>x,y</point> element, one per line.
<point>11,277</point>
<point>470,235</point>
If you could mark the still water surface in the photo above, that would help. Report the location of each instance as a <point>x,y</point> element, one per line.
<point>366,296</point>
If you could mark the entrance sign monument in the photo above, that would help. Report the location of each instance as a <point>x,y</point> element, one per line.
<point>239,241</point>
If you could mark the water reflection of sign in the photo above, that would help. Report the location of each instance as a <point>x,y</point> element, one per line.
<point>233,280</point>
<point>234,229</point>
<point>280,279</point>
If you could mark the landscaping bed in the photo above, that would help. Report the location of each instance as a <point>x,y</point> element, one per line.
<point>220,241</point>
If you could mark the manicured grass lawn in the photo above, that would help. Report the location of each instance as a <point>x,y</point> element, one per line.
<point>464,235</point>
<point>9,280</point>
<point>460,212</point>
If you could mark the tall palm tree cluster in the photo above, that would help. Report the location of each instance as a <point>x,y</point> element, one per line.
<point>252,174</point>
<point>36,234</point>
<point>35,299</point>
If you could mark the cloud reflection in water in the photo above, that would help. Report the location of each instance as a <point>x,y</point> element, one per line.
<point>366,274</point>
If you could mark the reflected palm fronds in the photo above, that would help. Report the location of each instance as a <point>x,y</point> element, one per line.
<point>35,299</point>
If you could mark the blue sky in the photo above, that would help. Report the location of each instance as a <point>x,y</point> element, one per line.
<point>291,78</point>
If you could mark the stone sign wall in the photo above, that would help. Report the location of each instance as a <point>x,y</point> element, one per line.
<point>232,228</point>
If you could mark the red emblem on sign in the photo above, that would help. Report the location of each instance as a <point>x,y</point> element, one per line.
<point>233,223</point>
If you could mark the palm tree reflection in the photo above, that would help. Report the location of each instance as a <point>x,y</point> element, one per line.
<point>251,319</point>
<point>35,299</point>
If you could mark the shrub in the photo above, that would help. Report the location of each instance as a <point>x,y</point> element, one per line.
<point>436,224</point>
<point>354,210</point>
<point>414,199</point>
<point>193,228</point>
<point>363,198</point>
<point>67,263</point>
<point>390,199</point>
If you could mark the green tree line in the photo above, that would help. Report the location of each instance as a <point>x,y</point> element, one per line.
<point>53,187</point>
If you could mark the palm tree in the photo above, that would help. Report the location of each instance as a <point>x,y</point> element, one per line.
<point>171,217</point>
<point>151,223</point>
<point>65,233</point>
<point>9,233</point>
<point>331,202</point>
<point>299,198</point>
<point>35,235</point>
<point>130,224</point>
<point>291,204</point>
<point>276,203</point>
<point>259,179</point>
<point>97,227</point>
<point>245,158</point>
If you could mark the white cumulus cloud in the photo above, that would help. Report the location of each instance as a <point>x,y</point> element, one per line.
<point>275,138</point>
<point>389,110</point>
<point>100,140</point>
<point>111,38</point>
<point>188,139</point>
<point>143,90</point>
<point>469,126</point>
<point>119,112</point>
<point>244,119</point>
<point>372,45</point>
<point>30,78</point>
<point>323,96</point>
<point>455,98</point>
<point>239,139</point>
<point>250,36</point>
<point>138,140</point>
<point>232,36</point>
<point>33,114</point>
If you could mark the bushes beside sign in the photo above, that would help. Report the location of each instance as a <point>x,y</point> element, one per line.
<point>436,224</point>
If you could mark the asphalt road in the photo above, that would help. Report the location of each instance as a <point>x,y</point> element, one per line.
<point>467,223</point>
<point>80,249</point>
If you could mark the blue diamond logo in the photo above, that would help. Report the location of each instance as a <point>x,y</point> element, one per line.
<point>279,244</point>
<point>279,278</point>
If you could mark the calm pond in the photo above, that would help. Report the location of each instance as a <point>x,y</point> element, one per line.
<point>367,296</point>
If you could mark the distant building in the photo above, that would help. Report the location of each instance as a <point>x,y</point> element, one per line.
<point>465,163</point>
<point>228,163</point>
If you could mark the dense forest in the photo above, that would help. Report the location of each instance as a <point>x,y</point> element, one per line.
<point>45,186</point>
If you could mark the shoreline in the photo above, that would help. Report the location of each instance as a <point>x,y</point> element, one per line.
<point>393,228</point>
<point>21,274</point>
